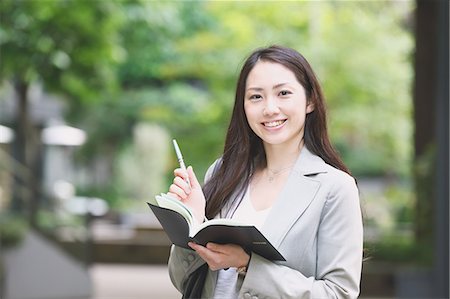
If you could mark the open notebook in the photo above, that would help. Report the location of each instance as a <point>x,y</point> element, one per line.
<point>178,222</point>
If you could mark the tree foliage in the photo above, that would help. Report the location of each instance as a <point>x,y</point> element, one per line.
<point>360,50</point>
<point>69,47</point>
<point>178,62</point>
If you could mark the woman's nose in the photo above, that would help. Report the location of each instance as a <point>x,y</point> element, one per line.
<point>271,107</point>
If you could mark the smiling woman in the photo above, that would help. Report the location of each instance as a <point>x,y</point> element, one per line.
<point>280,173</point>
<point>275,105</point>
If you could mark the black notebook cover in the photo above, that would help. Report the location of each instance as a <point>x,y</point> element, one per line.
<point>248,237</point>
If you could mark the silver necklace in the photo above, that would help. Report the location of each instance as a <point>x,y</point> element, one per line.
<point>274,173</point>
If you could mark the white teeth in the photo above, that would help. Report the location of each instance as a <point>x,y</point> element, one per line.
<point>273,123</point>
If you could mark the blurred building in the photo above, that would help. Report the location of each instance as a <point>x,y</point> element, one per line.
<point>43,108</point>
<point>55,142</point>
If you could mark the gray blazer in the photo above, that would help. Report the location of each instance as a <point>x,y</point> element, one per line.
<point>316,224</point>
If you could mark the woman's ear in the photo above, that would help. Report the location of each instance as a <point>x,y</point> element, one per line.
<point>309,107</point>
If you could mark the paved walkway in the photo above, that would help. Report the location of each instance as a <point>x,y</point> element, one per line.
<point>132,282</point>
<point>136,282</point>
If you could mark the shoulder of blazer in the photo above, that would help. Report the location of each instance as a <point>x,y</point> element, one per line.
<point>309,164</point>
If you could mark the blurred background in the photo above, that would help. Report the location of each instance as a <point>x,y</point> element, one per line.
<point>92,92</point>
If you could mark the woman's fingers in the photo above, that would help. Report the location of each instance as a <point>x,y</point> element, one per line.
<point>193,177</point>
<point>213,259</point>
<point>173,195</point>
<point>182,184</point>
<point>178,191</point>
<point>221,256</point>
<point>182,173</point>
<point>190,194</point>
<point>222,248</point>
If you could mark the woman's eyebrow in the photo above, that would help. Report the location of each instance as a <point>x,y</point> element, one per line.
<point>255,88</point>
<point>279,85</point>
<point>261,89</point>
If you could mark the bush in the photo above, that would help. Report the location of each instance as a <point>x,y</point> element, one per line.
<point>12,229</point>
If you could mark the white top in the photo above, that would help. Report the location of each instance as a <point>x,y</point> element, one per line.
<point>226,286</point>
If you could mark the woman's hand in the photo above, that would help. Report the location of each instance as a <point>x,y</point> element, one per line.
<point>191,195</point>
<point>222,256</point>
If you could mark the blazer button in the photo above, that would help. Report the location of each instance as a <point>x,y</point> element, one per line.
<point>185,263</point>
<point>247,296</point>
<point>191,257</point>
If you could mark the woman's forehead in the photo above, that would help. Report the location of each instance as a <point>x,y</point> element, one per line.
<point>269,74</point>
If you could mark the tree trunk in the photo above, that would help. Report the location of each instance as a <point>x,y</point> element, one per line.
<point>20,149</point>
<point>424,117</point>
<point>25,184</point>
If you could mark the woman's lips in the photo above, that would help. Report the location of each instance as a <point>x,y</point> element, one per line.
<point>274,123</point>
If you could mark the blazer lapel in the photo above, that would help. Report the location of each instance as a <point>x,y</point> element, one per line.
<point>295,197</point>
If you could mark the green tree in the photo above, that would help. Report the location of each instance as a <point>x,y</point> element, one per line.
<point>360,50</point>
<point>182,62</point>
<point>70,47</point>
<point>363,53</point>
<point>151,90</point>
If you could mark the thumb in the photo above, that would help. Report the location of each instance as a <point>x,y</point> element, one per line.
<point>193,177</point>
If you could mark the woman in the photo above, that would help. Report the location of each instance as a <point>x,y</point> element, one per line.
<point>279,172</point>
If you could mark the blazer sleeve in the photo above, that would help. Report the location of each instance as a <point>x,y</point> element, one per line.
<point>339,255</point>
<point>182,262</point>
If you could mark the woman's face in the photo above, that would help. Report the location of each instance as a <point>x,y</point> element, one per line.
<point>275,104</point>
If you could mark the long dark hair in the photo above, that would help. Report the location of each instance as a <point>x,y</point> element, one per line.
<point>244,151</point>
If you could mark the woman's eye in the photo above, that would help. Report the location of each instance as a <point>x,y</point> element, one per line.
<point>285,92</point>
<point>255,97</point>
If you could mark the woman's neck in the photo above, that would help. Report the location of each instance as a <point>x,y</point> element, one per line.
<point>282,156</point>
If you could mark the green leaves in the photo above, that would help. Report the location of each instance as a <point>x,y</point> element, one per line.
<point>176,64</point>
<point>360,50</point>
<point>60,43</point>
